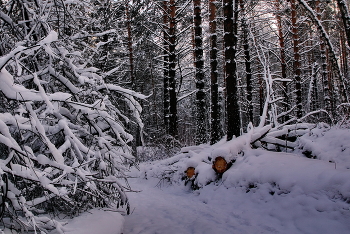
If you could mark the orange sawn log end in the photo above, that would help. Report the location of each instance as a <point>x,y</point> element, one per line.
<point>220,165</point>
<point>190,172</point>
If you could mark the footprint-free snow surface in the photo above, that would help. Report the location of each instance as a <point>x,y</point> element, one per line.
<point>216,209</point>
<point>263,191</point>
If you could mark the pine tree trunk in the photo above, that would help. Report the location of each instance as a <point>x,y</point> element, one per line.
<point>283,61</point>
<point>230,41</point>
<point>345,17</point>
<point>130,49</point>
<point>166,95</point>
<point>313,76</point>
<point>296,65</point>
<point>173,131</point>
<point>344,54</point>
<point>201,134</point>
<point>328,95</point>
<point>134,129</point>
<point>313,89</point>
<point>248,69</point>
<point>215,111</point>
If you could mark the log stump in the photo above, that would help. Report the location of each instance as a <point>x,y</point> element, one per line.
<point>220,165</point>
<point>190,172</point>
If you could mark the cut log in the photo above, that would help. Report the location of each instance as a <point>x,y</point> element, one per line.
<point>220,165</point>
<point>190,172</point>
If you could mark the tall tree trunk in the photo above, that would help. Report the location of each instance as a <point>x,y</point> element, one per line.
<point>135,131</point>
<point>166,96</point>
<point>201,134</point>
<point>130,49</point>
<point>313,88</point>
<point>230,41</point>
<point>344,55</point>
<point>247,61</point>
<point>327,91</point>
<point>313,66</point>
<point>283,61</point>
<point>215,108</point>
<point>173,131</point>
<point>345,17</point>
<point>296,65</point>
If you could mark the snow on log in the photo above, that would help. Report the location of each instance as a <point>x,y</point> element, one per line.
<point>257,135</point>
<point>287,134</point>
<point>276,141</point>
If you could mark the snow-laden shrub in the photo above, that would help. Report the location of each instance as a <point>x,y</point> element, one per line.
<point>63,145</point>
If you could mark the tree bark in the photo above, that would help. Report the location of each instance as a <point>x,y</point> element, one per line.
<point>327,91</point>
<point>345,17</point>
<point>130,49</point>
<point>230,42</point>
<point>248,70</point>
<point>283,61</point>
<point>344,55</point>
<point>215,108</point>
<point>166,96</point>
<point>135,131</point>
<point>173,130</point>
<point>201,134</point>
<point>296,65</point>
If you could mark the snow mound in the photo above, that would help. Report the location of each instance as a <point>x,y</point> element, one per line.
<point>331,145</point>
<point>273,172</point>
<point>262,192</point>
<point>278,172</point>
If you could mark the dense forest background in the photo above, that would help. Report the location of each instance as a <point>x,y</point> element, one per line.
<point>84,83</point>
<point>290,65</point>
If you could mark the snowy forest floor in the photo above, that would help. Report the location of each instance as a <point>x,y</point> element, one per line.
<point>263,192</point>
<point>160,209</point>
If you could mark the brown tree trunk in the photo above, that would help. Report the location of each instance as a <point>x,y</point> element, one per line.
<point>296,65</point>
<point>344,54</point>
<point>283,61</point>
<point>215,111</point>
<point>230,40</point>
<point>345,17</point>
<point>248,69</point>
<point>327,91</point>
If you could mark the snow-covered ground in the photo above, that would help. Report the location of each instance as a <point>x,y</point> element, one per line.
<point>218,209</point>
<point>263,192</point>
<point>96,221</point>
